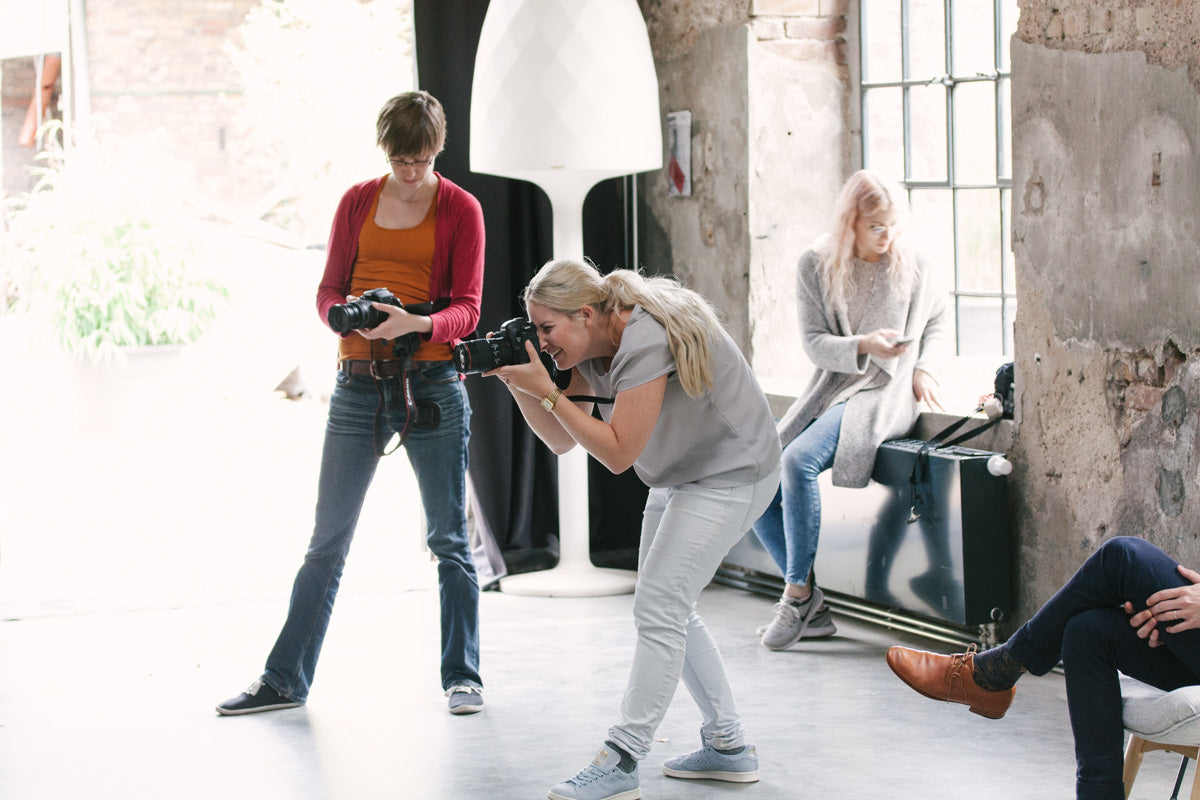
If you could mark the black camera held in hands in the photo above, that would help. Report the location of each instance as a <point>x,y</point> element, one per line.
<point>359,314</point>
<point>505,347</point>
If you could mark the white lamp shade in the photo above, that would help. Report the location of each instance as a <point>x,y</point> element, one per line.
<point>564,85</point>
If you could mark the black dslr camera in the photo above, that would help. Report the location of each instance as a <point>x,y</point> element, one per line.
<point>359,314</point>
<point>505,347</point>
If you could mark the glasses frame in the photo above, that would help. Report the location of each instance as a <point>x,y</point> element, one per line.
<point>418,164</point>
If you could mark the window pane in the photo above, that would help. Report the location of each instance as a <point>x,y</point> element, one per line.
<point>1010,282</point>
<point>975,133</point>
<point>926,39</point>
<point>979,240</point>
<point>927,134</point>
<point>931,230</point>
<point>1008,27</point>
<point>974,37</point>
<point>883,131</point>
<point>1003,88</point>
<point>979,326</point>
<point>881,41</point>
<point>1010,316</point>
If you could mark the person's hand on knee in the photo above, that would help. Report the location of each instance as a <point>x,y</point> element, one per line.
<point>1177,608</point>
<point>1146,624</point>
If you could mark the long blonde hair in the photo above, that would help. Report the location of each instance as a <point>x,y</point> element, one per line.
<point>566,286</point>
<point>865,193</point>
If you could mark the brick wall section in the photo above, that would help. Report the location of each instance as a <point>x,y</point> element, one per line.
<point>1165,30</point>
<point>161,68</point>
<point>181,44</point>
<point>805,30</point>
<point>157,68</point>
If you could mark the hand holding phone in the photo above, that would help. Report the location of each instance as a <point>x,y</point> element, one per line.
<point>900,340</point>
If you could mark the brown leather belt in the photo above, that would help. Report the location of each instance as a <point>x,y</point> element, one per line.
<point>388,368</point>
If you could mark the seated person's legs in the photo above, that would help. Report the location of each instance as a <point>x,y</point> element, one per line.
<point>796,520</point>
<point>1089,624</point>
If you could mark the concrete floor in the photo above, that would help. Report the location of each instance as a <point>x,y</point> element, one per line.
<point>150,532</point>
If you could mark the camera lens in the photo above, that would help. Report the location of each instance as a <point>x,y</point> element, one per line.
<point>478,355</point>
<point>341,317</point>
<point>354,316</point>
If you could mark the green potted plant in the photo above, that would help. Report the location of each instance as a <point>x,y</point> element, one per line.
<point>98,251</point>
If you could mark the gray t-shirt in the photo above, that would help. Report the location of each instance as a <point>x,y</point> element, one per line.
<point>725,437</point>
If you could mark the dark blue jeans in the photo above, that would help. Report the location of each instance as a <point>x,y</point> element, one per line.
<point>439,459</point>
<point>1085,626</point>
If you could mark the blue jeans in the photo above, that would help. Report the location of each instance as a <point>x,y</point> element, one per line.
<point>1085,625</point>
<point>686,532</point>
<point>439,460</point>
<point>791,525</point>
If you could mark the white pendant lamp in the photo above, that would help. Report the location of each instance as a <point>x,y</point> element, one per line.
<point>564,96</point>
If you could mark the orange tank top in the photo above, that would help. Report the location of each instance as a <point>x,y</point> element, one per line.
<point>399,260</point>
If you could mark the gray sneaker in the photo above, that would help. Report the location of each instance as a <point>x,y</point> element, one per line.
<point>794,621</point>
<point>713,765</point>
<point>603,779</point>
<point>465,699</point>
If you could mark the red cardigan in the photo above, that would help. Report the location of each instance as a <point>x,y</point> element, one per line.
<point>457,272</point>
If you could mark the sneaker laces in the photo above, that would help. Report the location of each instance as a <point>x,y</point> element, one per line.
<point>466,689</point>
<point>254,688</point>
<point>588,774</point>
<point>786,614</point>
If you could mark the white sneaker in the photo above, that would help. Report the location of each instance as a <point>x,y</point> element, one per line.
<point>709,764</point>
<point>603,779</point>
<point>796,620</point>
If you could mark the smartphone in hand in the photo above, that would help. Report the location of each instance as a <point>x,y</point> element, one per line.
<point>899,340</point>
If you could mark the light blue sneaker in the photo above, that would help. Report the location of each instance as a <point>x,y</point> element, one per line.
<point>708,764</point>
<point>600,780</point>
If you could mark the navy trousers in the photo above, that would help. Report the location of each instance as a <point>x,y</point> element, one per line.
<point>1085,626</point>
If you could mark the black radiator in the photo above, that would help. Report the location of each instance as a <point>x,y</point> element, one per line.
<point>952,564</point>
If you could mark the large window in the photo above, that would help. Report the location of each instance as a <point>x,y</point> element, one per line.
<point>935,116</point>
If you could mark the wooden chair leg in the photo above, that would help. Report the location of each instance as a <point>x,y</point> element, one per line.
<point>1195,780</point>
<point>1133,760</point>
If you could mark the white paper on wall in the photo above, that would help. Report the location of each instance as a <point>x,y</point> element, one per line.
<point>679,153</point>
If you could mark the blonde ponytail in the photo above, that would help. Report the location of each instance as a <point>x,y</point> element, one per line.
<point>690,321</point>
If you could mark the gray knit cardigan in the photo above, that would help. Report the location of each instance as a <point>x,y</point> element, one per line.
<point>882,405</point>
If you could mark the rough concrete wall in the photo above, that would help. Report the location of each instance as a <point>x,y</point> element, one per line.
<point>767,85</point>
<point>700,53</point>
<point>1165,30</point>
<point>1106,231</point>
<point>800,153</point>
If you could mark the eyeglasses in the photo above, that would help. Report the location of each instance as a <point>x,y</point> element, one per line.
<point>421,164</point>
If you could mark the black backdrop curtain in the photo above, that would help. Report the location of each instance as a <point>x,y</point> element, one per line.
<point>513,475</point>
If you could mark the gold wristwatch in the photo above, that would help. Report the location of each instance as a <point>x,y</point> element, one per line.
<point>549,400</point>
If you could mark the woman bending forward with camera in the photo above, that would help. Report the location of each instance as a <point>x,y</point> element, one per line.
<point>688,415</point>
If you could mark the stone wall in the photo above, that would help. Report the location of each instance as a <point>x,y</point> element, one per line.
<point>161,71</point>
<point>158,72</point>
<point>1106,231</point>
<point>803,145</point>
<point>766,82</point>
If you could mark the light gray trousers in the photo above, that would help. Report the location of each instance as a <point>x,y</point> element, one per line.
<point>686,532</point>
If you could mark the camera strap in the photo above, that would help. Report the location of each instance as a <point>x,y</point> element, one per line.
<point>920,480</point>
<point>422,416</point>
